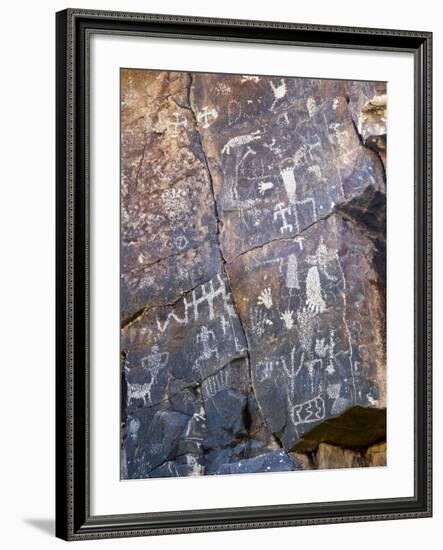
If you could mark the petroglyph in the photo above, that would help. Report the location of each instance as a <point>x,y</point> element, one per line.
<point>287,175</point>
<point>283,213</point>
<point>264,186</point>
<point>252,269</point>
<point>207,116</point>
<point>292,272</point>
<point>287,318</point>
<point>265,298</point>
<point>238,141</point>
<point>279,92</point>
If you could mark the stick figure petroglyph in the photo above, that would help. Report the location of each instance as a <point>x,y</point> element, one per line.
<point>208,116</point>
<point>283,212</point>
<point>287,175</point>
<point>279,92</point>
<point>141,391</point>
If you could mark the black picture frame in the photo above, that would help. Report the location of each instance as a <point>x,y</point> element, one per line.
<point>74,28</point>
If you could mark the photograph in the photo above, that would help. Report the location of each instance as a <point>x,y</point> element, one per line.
<point>252,273</point>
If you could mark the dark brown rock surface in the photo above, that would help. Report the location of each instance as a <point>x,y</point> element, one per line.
<point>252,271</point>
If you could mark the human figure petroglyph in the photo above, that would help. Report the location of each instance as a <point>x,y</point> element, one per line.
<point>207,116</point>
<point>224,324</point>
<point>178,122</point>
<point>283,212</point>
<point>289,183</point>
<point>309,411</point>
<point>155,360</point>
<point>279,92</point>
<point>205,338</point>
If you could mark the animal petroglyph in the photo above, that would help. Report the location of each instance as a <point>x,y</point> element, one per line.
<point>265,298</point>
<point>238,141</point>
<point>141,391</point>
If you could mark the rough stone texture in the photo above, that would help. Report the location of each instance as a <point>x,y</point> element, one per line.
<point>252,273</point>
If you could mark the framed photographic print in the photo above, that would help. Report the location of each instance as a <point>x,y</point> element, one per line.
<point>243,274</point>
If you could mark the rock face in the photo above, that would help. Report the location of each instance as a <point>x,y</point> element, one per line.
<point>252,273</point>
